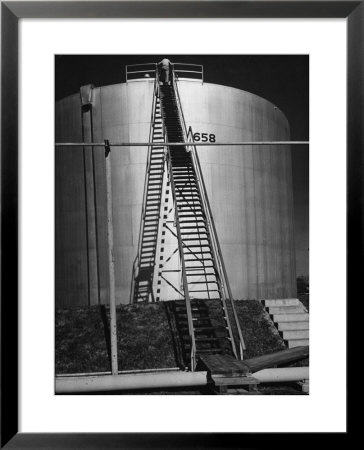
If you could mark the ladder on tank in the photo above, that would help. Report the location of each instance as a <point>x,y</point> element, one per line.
<point>202,267</point>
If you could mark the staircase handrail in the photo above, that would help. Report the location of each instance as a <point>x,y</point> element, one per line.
<point>152,67</point>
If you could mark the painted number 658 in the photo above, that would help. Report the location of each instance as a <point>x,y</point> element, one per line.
<point>204,137</point>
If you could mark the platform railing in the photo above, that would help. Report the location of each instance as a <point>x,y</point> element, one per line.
<point>149,70</point>
<point>133,71</point>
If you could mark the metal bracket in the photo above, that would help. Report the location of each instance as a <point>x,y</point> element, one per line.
<point>107,148</point>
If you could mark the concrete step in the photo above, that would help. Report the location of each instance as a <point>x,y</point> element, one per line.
<point>298,317</point>
<point>282,302</point>
<point>297,342</point>
<point>285,309</point>
<point>291,318</point>
<point>293,326</point>
<point>295,334</point>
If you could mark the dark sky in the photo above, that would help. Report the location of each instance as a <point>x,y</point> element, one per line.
<point>281,79</point>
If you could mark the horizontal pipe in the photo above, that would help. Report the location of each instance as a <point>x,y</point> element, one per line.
<point>120,372</point>
<point>104,383</point>
<point>176,144</point>
<point>283,374</point>
<point>126,382</point>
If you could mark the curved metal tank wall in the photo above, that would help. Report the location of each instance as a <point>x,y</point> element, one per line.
<point>250,189</point>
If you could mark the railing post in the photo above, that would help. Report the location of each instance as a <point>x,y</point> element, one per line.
<point>110,240</point>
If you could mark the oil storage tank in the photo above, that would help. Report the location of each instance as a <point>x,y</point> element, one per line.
<point>249,187</point>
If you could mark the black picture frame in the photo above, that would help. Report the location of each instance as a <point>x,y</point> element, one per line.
<point>11,12</point>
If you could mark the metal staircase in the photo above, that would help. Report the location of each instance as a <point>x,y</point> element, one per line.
<point>203,271</point>
<point>144,264</point>
<point>206,319</point>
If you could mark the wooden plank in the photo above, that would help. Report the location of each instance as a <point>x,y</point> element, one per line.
<point>223,364</point>
<point>232,381</point>
<point>277,358</point>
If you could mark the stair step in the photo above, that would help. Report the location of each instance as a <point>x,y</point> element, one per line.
<point>212,351</point>
<point>148,246</point>
<point>195,259</point>
<point>218,328</point>
<point>197,214</point>
<point>193,228</point>
<point>298,343</point>
<point>204,290</point>
<point>195,239</point>
<point>194,252</point>
<point>201,274</point>
<point>282,302</point>
<point>150,219</point>
<point>157,159</point>
<point>195,221</point>
<point>191,233</point>
<point>209,339</point>
<point>197,245</point>
<point>286,309</point>
<point>293,326</point>
<point>189,208</point>
<point>191,182</point>
<point>295,334</point>
<point>302,317</point>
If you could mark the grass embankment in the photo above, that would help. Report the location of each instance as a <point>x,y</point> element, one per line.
<point>145,339</point>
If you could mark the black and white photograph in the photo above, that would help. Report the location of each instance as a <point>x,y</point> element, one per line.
<point>182,224</point>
